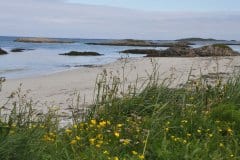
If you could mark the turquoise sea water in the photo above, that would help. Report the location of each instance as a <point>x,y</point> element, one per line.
<point>45,59</point>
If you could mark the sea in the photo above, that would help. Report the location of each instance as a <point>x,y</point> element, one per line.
<point>44,59</point>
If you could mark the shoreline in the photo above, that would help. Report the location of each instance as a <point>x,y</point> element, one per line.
<point>59,88</point>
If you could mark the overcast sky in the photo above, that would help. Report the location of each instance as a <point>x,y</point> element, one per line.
<point>140,19</point>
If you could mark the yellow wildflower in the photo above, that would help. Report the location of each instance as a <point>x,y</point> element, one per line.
<point>108,122</point>
<point>75,126</point>
<point>100,136</point>
<point>92,141</point>
<point>74,141</point>
<point>166,129</point>
<point>221,145</point>
<point>189,135</point>
<point>125,141</point>
<point>230,131</point>
<point>184,121</point>
<point>141,156</point>
<point>105,152</point>
<point>68,131</point>
<point>175,139</point>
<point>103,123</point>
<point>78,138</point>
<point>119,125</point>
<point>199,131</point>
<point>117,134</point>
<point>81,124</point>
<point>134,153</point>
<point>98,145</point>
<point>93,121</point>
<point>115,158</point>
<point>52,134</point>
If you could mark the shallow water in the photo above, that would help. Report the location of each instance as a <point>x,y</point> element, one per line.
<point>45,58</point>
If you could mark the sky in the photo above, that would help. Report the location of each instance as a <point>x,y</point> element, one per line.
<point>120,19</point>
<point>168,5</point>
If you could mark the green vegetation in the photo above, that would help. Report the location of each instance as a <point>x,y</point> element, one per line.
<point>223,46</point>
<point>197,121</point>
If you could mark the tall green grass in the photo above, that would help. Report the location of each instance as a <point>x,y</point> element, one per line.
<point>197,121</point>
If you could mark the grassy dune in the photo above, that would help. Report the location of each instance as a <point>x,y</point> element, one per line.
<point>197,121</point>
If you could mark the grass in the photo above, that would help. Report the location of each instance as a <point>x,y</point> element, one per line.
<point>223,46</point>
<point>197,121</point>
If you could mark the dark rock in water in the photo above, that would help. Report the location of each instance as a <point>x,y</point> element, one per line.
<point>75,53</point>
<point>2,52</point>
<point>19,49</point>
<point>141,51</point>
<point>83,65</point>
<point>140,43</point>
<point>179,51</point>
<point>127,42</point>
<point>87,65</point>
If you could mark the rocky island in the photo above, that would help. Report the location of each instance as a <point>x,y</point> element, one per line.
<point>180,51</point>
<point>42,40</point>
<point>2,52</point>
<point>75,53</point>
<point>19,49</point>
<point>223,42</point>
<point>140,43</point>
<point>196,39</point>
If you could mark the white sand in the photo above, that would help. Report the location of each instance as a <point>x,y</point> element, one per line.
<point>57,88</point>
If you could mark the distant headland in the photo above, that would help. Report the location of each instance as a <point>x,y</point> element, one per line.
<point>42,40</point>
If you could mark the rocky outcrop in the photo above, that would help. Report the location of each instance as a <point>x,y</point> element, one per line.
<point>75,53</point>
<point>215,50</point>
<point>42,40</point>
<point>2,52</point>
<point>17,50</point>
<point>20,50</point>
<point>224,42</point>
<point>196,39</point>
<point>140,43</point>
<point>142,51</point>
<point>181,51</point>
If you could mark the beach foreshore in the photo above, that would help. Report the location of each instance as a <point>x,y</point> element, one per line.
<point>58,89</point>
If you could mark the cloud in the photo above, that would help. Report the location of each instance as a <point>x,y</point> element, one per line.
<point>59,19</point>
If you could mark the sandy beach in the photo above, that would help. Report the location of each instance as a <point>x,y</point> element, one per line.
<point>59,88</point>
